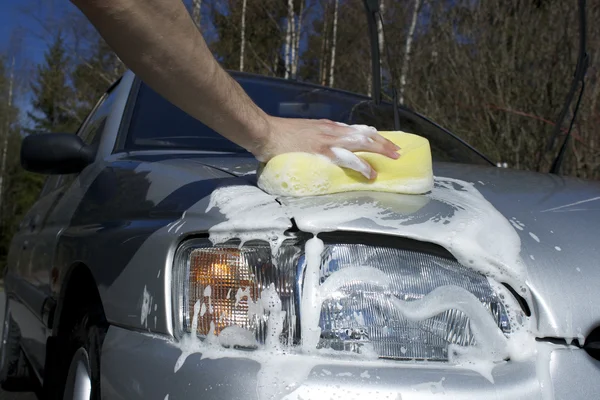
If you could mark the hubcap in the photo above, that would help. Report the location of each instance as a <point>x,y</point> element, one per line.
<point>79,381</point>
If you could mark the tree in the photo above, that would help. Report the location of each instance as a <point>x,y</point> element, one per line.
<point>51,91</point>
<point>92,75</point>
<point>289,33</point>
<point>196,11</point>
<point>409,39</point>
<point>7,116</point>
<point>334,43</point>
<point>262,35</point>
<point>337,52</point>
<point>243,39</point>
<point>22,189</point>
<point>19,187</point>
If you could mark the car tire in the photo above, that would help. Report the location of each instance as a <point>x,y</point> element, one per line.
<point>81,371</point>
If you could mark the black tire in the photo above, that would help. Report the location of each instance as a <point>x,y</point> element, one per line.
<point>87,333</point>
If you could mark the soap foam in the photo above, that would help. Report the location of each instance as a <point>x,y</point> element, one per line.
<point>252,214</point>
<point>465,233</point>
<point>491,344</point>
<point>310,308</point>
<point>235,335</point>
<point>146,307</point>
<point>347,159</point>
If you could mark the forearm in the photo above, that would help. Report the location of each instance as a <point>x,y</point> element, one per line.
<point>159,41</point>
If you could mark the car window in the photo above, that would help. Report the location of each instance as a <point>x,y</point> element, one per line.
<point>91,132</point>
<point>156,123</point>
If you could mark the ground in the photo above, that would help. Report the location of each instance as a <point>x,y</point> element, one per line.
<point>8,395</point>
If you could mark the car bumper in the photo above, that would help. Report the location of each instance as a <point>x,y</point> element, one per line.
<point>137,365</point>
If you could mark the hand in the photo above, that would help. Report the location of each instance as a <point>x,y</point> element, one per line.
<point>335,140</point>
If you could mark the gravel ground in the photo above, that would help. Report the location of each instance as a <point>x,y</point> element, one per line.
<point>8,395</point>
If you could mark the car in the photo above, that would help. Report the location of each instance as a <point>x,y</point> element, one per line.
<point>151,226</point>
<point>153,266</point>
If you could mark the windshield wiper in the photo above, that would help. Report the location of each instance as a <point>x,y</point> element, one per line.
<point>578,77</point>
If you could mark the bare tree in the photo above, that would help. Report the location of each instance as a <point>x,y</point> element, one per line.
<point>292,40</point>
<point>196,9</point>
<point>409,40</point>
<point>297,36</point>
<point>243,39</point>
<point>380,31</point>
<point>288,38</point>
<point>324,49</point>
<point>9,101</point>
<point>334,40</point>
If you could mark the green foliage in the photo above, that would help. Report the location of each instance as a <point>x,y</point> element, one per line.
<point>93,76</point>
<point>21,190</point>
<point>263,40</point>
<point>7,114</point>
<point>65,89</point>
<point>52,93</point>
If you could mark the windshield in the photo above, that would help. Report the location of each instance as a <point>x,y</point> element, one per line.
<point>157,124</point>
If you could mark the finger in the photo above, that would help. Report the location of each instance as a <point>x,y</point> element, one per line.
<point>388,143</point>
<point>356,129</point>
<point>365,138</point>
<point>365,143</point>
<point>346,159</point>
<point>372,133</point>
<point>367,131</point>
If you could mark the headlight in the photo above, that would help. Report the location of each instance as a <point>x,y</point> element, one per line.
<point>359,313</point>
<point>222,285</point>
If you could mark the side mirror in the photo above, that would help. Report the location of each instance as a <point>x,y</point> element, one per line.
<point>55,153</point>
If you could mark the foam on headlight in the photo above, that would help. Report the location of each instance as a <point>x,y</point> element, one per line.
<point>360,313</point>
<point>227,281</point>
<point>222,287</point>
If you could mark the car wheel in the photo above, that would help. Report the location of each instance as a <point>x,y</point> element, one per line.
<point>82,375</point>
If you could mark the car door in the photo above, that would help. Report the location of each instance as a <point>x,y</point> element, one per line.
<point>39,235</point>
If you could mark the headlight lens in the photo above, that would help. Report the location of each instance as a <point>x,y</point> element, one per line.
<point>226,280</point>
<point>360,313</point>
<point>223,282</point>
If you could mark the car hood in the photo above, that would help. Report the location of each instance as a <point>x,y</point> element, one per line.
<point>536,230</point>
<point>555,220</point>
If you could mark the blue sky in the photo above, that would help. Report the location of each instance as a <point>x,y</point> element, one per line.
<point>21,18</point>
<point>20,23</point>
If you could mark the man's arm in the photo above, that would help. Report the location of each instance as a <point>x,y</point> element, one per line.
<point>158,40</point>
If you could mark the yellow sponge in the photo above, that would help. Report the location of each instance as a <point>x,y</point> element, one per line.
<point>304,174</point>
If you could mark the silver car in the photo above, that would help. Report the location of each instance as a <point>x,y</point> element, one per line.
<point>153,266</point>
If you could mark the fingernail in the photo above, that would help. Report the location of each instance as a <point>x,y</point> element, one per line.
<point>373,175</point>
<point>397,147</point>
<point>395,156</point>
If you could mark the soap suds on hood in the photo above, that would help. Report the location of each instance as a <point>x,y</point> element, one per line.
<point>249,213</point>
<point>146,307</point>
<point>534,237</point>
<point>463,231</point>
